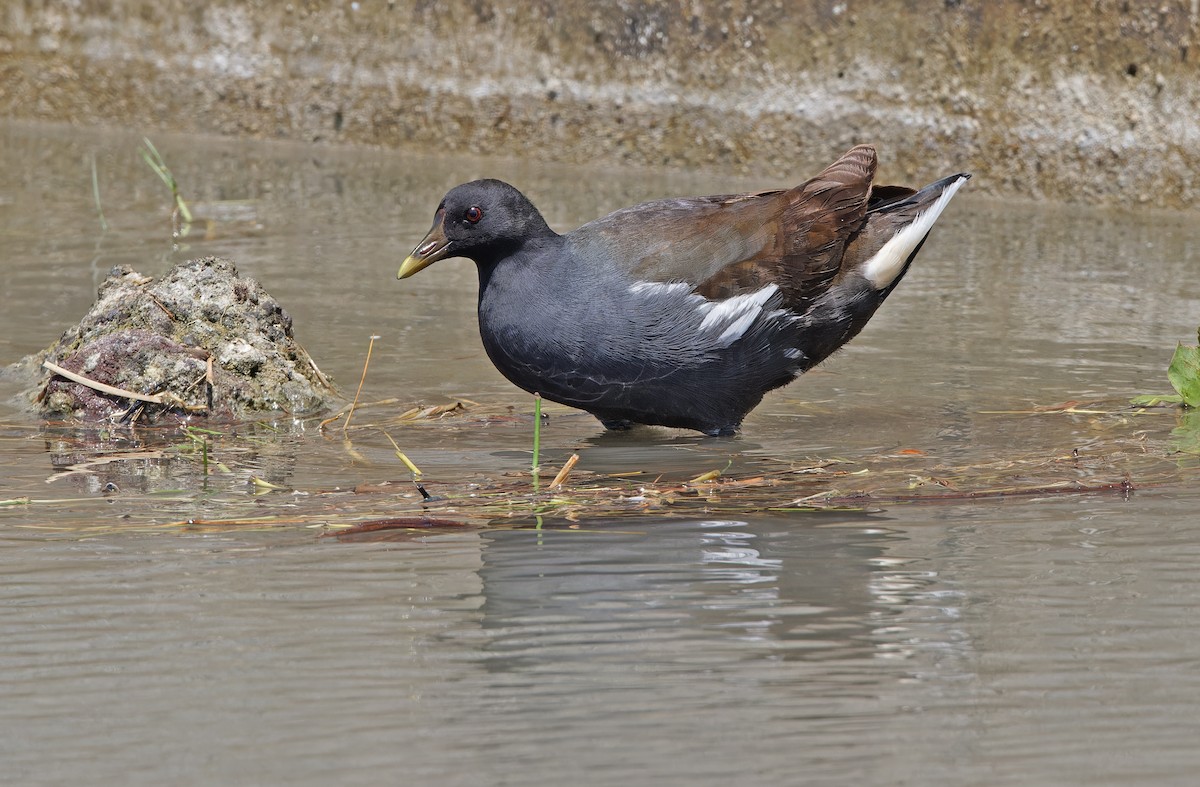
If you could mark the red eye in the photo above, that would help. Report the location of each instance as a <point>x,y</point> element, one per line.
<point>473,214</point>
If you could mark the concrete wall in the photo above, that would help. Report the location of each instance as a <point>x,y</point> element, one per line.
<point>1090,102</point>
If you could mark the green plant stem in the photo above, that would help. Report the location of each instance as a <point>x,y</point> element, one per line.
<point>155,161</point>
<point>537,434</point>
<point>96,195</point>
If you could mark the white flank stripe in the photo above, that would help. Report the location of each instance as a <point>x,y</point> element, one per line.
<point>735,331</point>
<point>730,319</point>
<point>721,314</point>
<point>652,288</point>
<point>882,269</point>
<point>725,321</point>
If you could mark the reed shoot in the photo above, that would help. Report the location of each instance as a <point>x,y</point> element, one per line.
<point>537,435</point>
<point>96,196</point>
<point>155,161</point>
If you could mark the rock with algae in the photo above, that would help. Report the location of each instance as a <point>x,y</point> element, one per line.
<point>201,341</point>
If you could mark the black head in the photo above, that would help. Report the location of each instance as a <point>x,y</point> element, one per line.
<point>484,220</point>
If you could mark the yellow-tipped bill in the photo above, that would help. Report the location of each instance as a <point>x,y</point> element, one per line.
<point>431,249</point>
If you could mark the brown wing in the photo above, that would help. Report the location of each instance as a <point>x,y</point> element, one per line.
<point>725,245</point>
<point>811,230</point>
<point>685,240</point>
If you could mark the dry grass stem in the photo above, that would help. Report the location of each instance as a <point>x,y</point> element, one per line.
<point>566,471</point>
<point>361,380</point>
<point>101,387</point>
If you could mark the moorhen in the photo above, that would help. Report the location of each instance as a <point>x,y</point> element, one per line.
<point>683,312</point>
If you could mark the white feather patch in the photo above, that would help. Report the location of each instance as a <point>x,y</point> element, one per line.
<point>882,269</point>
<point>725,321</point>
<point>730,319</point>
<point>652,288</point>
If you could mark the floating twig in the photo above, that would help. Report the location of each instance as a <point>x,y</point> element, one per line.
<point>711,475</point>
<point>1125,488</point>
<point>566,471</point>
<point>381,403</point>
<point>433,411</point>
<point>416,471</point>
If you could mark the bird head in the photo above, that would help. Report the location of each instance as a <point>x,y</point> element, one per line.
<point>484,220</point>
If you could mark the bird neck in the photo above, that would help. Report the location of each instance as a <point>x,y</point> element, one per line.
<point>531,253</point>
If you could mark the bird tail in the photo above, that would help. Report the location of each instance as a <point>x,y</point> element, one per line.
<point>897,226</point>
<point>897,222</point>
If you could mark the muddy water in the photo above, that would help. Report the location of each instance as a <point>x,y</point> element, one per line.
<point>1045,640</point>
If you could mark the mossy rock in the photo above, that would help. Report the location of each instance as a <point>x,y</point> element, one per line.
<point>159,338</point>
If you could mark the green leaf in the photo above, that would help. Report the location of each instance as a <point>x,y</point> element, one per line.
<point>1184,374</point>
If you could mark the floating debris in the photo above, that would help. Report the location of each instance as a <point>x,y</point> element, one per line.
<point>1113,449</point>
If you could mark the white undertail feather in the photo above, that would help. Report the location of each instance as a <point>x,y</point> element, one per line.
<point>882,269</point>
